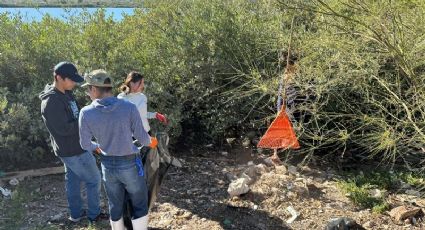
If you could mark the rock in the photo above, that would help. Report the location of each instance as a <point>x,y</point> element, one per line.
<point>343,223</point>
<point>238,187</point>
<point>413,192</point>
<point>261,168</point>
<point>224,153</point>
<point>250,163</point>
<point>404,185</point>
<point>377,193</point>
<point>401,213</point>
<point>268,161</point>
<point>212,190</point>
<point>56,217</point>
<point>251,171</point>
<point>292,169</point>
<point>230,176</point>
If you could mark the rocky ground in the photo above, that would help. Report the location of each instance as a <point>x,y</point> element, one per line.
<point>196,197</point>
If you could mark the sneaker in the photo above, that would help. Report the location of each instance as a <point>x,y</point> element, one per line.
<point>100,217</point>
<point>76,220</point>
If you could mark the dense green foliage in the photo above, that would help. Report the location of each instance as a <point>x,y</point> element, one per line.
<point>213,68</point>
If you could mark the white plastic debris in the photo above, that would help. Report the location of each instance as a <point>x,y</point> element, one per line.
<point>14,182</point>
<point>6,192</point>
<point>238,187</point>
<point>294,214</point>
<point>224,153</point>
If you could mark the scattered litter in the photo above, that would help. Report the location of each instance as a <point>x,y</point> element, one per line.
<point>14,182</point>
<point>294,214</point>
<point>238,187</point>
<point>227,222</point>
<point>6,192</point>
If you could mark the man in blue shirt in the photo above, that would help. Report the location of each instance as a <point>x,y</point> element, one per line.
<point>113,122</point>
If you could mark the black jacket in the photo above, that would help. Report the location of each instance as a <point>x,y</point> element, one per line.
<point>60,115</point>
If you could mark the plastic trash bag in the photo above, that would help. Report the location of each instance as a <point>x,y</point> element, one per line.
<point>156,163</point>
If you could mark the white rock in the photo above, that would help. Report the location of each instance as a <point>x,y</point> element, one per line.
<point>224,153</point>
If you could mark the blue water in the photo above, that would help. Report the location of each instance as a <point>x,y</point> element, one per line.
<point>36,14</point>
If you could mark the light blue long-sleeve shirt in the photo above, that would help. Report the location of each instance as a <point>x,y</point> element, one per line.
<point>113,122</point>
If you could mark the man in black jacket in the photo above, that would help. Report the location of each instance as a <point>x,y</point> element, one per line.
<point>60,113</point>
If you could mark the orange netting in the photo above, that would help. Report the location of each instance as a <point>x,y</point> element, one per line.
<point>280,134</point>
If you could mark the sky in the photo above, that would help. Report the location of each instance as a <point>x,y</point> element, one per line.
<point>36,14</point>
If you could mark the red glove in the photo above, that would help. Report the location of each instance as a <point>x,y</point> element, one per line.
<point>161,118</point>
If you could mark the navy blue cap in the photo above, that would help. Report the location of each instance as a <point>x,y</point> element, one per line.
<point>67,69</point>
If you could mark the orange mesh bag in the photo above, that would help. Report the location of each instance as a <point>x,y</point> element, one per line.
<point>280,134</point>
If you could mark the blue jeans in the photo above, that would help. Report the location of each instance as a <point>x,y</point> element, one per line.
<point>82,168</point>
<point>120,175</point>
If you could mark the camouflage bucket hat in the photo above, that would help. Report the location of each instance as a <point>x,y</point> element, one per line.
<point>98,78</point>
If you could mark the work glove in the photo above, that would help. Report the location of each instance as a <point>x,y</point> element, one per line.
<point>161,118</point>
<point>154,143</point>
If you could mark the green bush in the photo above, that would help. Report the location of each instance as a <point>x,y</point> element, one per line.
<point>213,68</point>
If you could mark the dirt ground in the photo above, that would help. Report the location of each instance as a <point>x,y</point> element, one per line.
<point>195,197</point>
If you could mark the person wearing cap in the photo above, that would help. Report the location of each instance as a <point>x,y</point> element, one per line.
<point>60,113</point>
<point>113,122</point>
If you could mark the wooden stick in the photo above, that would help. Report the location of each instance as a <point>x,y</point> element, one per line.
<point>33,173</point>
